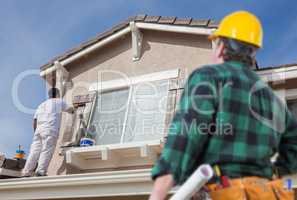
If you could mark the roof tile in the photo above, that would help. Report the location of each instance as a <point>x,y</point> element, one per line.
<point>93,40</point>
<point>199,22</point>
<point>152,19</point>
<point>185,21</point>
<point>119,26</point>
<point>140,17</point>
<point>166,20</point>
<point>213,24</point>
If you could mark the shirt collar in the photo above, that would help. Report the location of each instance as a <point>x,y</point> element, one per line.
<point>236,63</point>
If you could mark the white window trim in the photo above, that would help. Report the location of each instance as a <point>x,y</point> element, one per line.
<point>128,81</point>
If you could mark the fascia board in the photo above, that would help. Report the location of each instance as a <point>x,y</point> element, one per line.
<point>116,183</point>
<point>278,74</point>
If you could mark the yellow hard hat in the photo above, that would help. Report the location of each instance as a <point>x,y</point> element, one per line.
<point>242,26</point>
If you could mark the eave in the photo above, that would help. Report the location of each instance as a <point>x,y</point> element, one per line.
<point>104,184</point>
<point>282,77</point>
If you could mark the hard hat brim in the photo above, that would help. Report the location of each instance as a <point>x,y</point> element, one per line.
<point>216,35</point>
<point>212,37</point>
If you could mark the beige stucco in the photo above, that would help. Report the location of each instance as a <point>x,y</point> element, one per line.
<point>160,51</point>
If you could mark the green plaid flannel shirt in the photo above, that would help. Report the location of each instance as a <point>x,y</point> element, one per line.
<point>229,117</point>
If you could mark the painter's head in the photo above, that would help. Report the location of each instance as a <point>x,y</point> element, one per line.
<point>53,93</point>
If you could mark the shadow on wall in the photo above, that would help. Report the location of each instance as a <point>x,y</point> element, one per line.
<point>100,56</point>
<point>178,39</point>
<point>124,44</point>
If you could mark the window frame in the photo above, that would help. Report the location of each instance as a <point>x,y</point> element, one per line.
<point>118,84</point>
<point>121,83</point>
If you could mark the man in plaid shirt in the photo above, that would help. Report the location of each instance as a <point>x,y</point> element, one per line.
<point>228,117</point>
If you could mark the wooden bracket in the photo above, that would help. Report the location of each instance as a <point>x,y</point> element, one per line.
<point>137,38</point>
<point>75,160</point>
<point>104,153</point>
<point>144,151</point>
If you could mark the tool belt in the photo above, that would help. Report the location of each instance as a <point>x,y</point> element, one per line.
<point>250,188</point>
<point>222,187</point>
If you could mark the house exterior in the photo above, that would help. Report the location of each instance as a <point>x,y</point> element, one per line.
<point>126,82</point>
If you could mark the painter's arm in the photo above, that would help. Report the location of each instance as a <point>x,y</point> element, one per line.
<point>35,120</point>
<point>161,187</point>
<point>34,124</point>
<point>67,108</point>
<point>70,110</point>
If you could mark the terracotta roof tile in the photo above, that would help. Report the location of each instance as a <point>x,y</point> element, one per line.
<point>119,27</point>
<point>140,17</point>
<point>91,41</point>
<point>199,22</point>
<point>166,20</point>
<point>213,24</point>
<point>185,21</point>
<point>152,19</point>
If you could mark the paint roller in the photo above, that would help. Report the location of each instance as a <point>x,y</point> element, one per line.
<point>194,183</point>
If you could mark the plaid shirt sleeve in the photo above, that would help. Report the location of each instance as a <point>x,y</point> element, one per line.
<point>188,133</point>
<point>287,162</point>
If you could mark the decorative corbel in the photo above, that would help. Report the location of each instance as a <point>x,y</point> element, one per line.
<point>62,76</point>
<point>137,37</point>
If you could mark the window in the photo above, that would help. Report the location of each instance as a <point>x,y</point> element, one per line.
<point>130,118</point>
<point>147,111</point>
<point>130,114</point>
<point>109,116</point>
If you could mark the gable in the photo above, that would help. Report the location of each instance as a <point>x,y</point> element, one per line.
<point>133,24</point>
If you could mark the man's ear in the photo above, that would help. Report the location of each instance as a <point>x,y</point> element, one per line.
<point>221,50</point>
<point>218,53</point>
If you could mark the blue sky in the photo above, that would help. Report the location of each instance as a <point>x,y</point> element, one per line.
<point>34,31</point>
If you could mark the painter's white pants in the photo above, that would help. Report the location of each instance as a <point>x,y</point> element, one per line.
<point>41,152</point>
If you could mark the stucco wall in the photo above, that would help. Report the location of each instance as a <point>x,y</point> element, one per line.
<point>161,51</point>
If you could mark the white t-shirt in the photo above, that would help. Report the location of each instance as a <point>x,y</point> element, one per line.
<point>48,115</point>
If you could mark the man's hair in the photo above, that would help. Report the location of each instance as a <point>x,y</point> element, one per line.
<point>239,51</point>
<point>53,93</point>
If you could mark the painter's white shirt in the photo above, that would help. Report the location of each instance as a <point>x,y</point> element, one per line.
<point>48,115</point>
